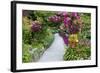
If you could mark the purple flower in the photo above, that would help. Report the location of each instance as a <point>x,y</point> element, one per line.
<point>74,14</point>
<point>55,19</point>
<point>73,29</point>
<point>65,38</point>
<point>64,14</point>
<point>67,21</point>
<point>78,17</point>
<point>36,26</point>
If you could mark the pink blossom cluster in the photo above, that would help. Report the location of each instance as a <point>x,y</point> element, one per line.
<point>36,26</point>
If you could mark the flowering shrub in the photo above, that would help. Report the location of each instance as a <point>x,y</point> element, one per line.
<point>71,22</point>
<point>83,49</point>
<point>39,28</point>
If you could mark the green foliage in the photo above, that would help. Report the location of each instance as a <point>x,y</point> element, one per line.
<point>26,55</point>
<point>27,36</point>
<point>78,53</point>
<point>86,27</point>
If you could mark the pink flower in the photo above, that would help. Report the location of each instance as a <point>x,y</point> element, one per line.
<point>65,38</point>
<point>64,14</point>
<point>55,19</point>
<point>67,21</point>
<point>73,29</point>
<point>36,26</point>
<point>74,14</point>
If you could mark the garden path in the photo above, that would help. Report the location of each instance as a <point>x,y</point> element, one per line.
<point>55,52</point>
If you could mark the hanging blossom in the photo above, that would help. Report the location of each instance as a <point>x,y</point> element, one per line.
<point>55,19</point>
<point>36,26</point>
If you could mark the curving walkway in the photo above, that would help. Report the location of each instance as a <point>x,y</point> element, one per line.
<point>55,52</point>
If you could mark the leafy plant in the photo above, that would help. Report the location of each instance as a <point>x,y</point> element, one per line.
<point>78,53</point>
<point>27,57</point>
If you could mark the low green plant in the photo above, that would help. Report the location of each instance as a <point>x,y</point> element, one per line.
<point>80,52</point>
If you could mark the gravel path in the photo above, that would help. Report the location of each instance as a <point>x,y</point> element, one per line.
<point>55,52</point>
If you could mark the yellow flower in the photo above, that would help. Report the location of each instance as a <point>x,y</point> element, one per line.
<point>73,37</point>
